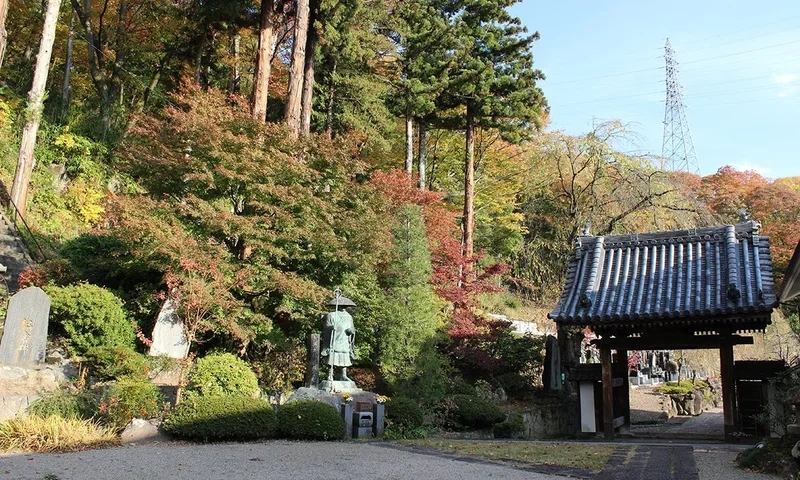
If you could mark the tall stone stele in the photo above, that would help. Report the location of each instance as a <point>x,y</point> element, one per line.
<point>25,333</point>
<point>338,344</point>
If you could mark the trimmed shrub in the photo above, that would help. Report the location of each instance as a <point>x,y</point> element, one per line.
<point>221,418</point>
<point>222,374</point>
<point>90,316</point>
<point>111,363</point>
<point>130,397</point>
<point>404,412</point>
<point>81,405</point>
<point>310,420</point>
<point>465,412</point>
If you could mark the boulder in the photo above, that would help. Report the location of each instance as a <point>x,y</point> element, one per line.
<point>796,451</point>
<point>143,431</point>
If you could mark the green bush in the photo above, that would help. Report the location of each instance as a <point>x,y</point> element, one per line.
<point>111,363</point>
<point>511,428</point>
<point>128,398</point>
<point>404,412</point>
<point>682,388</point>
<point>465,412</point>
<point>90,316</point>
<point>221,418</point>
<point>310,420</point>
<point>68,405</point>
<point>222,374</point>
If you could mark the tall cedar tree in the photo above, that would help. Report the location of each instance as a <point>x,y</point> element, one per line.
<point>411,307</point>
<point>492,85</point>
<point>297,72</point>
<point>263,61</point>
<point>423,39</point>
<point>352,69</point>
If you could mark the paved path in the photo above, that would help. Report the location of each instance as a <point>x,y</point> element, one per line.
<point>349,460</point>
<point>710,424</point>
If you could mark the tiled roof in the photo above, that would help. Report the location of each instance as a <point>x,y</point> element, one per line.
<point>682,277</point>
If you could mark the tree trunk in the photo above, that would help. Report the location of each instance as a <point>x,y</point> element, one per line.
<point>469,193</point>
<point>19,189</point>
<point>263,62</point>
<point>3,32</point>
<point>293,100</point>
<point>409,145</point>
<point>331,96</point>
<point>233,84</point>
<point>423,153</point>
<point>306,101</point>
<point>198,56</point>
<point>67,69</point>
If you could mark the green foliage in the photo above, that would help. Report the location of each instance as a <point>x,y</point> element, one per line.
<point>222,374</point>
<point>405,413</point>
<point>221,418</point>
<point>130,397</point>
<point>111,363</point>
<point>467,412</point>
<point>407,334</point>
<point>65,404</point>
<point>684,387</point>
<point>510,428</point>
<point>310,420</point>
<point>90,316</point>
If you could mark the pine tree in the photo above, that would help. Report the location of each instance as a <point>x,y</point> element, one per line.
<point>492,85</point>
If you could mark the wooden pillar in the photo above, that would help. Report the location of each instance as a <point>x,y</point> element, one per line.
<point>608,393</point>
<point>624,391</point>
<point>729,409</point>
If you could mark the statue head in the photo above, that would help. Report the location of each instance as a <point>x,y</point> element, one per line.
<point>339,303</point>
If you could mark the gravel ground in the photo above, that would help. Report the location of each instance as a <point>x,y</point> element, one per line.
<point>275,459</point>
<point>646,405</point>
<point>719,464</point>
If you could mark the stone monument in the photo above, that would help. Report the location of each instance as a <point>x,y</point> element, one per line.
<point>25,332</point>
<point>338,344</point>
<point>169,337</point>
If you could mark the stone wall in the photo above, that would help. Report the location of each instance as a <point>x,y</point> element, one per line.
<point>20,386</point>
<point>549,420</point>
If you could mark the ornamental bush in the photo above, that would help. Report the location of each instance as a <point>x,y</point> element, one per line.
<point>310,420</point>
<point>130,397</point>
<point>68,405</point>
<point>90,316</point>
<point>221,418</point>
<point>465,412</point>
<point>111,363</point>
<point>404,412</point>
<point>222,374</point>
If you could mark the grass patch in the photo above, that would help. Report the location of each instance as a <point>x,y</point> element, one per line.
<point>578,455</point>
<point>53,434</point>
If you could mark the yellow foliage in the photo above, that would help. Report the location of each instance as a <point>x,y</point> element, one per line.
<point>73,144</point>
<point>85,201</point>
<point>52,434</point>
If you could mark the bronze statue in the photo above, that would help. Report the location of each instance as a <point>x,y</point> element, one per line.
<point>338,336</point>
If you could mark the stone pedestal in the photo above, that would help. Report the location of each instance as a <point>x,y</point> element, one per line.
<point>346,410</point>
<point>341,386</point>
<point>378,411</point>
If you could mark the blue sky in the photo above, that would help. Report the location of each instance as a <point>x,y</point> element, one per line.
<point>739,68</point>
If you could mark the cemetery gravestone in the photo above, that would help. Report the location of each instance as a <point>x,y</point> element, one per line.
<point>25,334</point>
<point>169,338</point>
